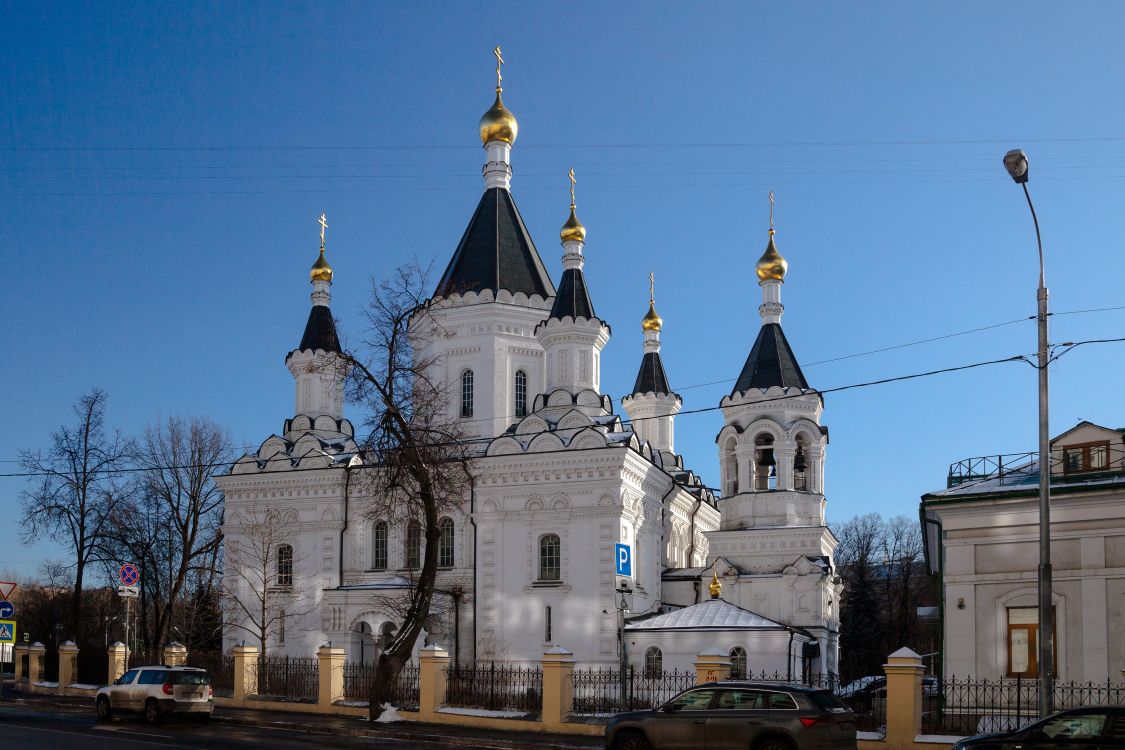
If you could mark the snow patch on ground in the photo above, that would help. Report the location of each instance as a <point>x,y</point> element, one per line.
<point>45,684</point>
<point>352,704</point>
<point>869,736</point>
<point>80,686</point>
<point>942,739</point>
<point>390,714</point>
<point>483,712</point>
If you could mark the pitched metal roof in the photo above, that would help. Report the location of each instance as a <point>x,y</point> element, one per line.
<point>714,614</point>
<point>771,363</point>
<point>651,377</point>
<point>572,299</point>
<point>496,252</point>
<point>320,331</point>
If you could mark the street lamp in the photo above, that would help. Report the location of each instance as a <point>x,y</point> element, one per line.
<point>1015,161</point>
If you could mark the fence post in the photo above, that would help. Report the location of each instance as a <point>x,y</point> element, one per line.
<point>330,669</point>
<point>68,665</point>
<point>18,653</point>
<point>433,661</point>
<point>175,654</point>
<point>558,686</point>
<point>904,698</point>
<point>35,664</point>
<point>117,656</point>
<point>712,665</point>
<point>245,672</point>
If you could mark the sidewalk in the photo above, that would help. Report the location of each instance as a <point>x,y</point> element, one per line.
<point>351,727</point>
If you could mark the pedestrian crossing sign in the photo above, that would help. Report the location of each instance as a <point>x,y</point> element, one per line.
<point>7,631</point>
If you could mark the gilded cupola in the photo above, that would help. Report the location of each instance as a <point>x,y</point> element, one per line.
<point>771,265</point>
<point>498,123</point>
<point>572,230</point>
<point>320,270</point>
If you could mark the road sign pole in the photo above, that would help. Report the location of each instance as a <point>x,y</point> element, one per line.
<point>128,611</point>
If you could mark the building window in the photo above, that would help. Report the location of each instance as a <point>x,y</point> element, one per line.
<point>1023,642</point>
<point>445,542</point>
<point>738,663</point>
<point>730,469</point>
<point>413,545</point>
<point>547,624</point>
<point>467,393</point>
<point>765,474</point>
<point>379,546</point>
<point>285,565</point>
<point>654,662</point>
<point>800,467</point>
<point>521,393</point>
<point>281,626</point>
<point>550,558</point>
<point>1087,457</point>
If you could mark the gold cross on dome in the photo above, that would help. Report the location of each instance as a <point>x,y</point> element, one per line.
<point>499,62</point>
<point>771,209</point>
<point>323,226</point>
<point>572,183</point>
<point>651,288</point>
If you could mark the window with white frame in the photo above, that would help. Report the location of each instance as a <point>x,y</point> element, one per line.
<point>445,542</point>
<point>550,558</point>
<point>654,662</point>
<point>413,545</point>
<point>379,546</point>
<point>285,565</point>
<point>738,663</point>
<point>521,393</point>
<point>467,393</point>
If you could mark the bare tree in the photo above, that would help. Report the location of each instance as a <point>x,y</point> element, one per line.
<point>75,491</point>
<point>261,592</point>
<point>171,524</point>
<point>418,463</point>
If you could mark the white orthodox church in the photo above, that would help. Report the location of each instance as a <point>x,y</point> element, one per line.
<point>527,559</point>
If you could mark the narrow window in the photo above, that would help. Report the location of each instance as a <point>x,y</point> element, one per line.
<point>550,558</point>
<point>467,393</point>
<point>285,565</point>
<point>1023,641</point>
<point>547,624</point>
<point>765,476</point>
<point>738,663</point>
<point>521,393</point>
<point>413,545</point>
<point>654,662</point>
<point>445,543</point>
<point>281,626</point>
<point>800,467</point>
<point>379,546</point>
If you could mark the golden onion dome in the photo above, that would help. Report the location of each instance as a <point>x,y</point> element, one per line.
<point>716,588</point>
<point>652,321</point>
<point>321,271</point>
<point>771,266</point>
<point>573,229</point>
<point>498,123</point>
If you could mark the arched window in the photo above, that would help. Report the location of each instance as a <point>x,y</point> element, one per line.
<point>800,466</point>
<point>654,662</point>
<point>738,663</point>
<point>547,624</point>
<point>521,393</point>
<point>379,546</point>
<point>467,393</point>
<point>413,545</point>
<point>285,565</point>
<point>445,543</point>
<point>550,558</point>
<point>765,475</point>
<point>730,468</point>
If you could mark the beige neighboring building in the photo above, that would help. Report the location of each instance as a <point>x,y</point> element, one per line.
<point>982,534</point>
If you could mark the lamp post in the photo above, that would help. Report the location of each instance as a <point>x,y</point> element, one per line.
<point>1015,162</point>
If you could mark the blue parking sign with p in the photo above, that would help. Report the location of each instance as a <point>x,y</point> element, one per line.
<point>624,560</point>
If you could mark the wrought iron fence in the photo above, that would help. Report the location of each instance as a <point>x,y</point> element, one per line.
<point>49,671</point>
<point>92,666</point>
<point>358,678</point>
<point>599,691</point>
<point>219,666</point>
<point>288,676</point>
<point>495,687</point>
<point>968,706</point>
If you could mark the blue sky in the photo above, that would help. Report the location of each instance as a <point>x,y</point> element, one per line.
<point>162,167</point>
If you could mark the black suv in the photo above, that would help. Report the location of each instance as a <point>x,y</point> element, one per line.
<point>721,715</point>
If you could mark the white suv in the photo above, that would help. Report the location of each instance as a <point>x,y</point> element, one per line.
<point>157,691</point>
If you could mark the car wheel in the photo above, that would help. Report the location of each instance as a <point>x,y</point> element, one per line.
<point>152,711</point>
<point>772,743</point>
<point>631,741</point>
<point>105,711</point>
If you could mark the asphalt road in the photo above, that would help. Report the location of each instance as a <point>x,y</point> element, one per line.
<point>33,727</point>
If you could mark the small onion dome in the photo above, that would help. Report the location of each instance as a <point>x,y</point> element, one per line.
<point>652,321</point>
<point>716,588</point>
<point>321,271</point>
<point>498,124</point>
<point>573,229</point>
<point>771,266</point>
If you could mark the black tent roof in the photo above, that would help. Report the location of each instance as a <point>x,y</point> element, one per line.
<point>496,252</point>
<point>651,376</point>
<point>320,331</point>
<point>771,363</point>
<point>573,298</point>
